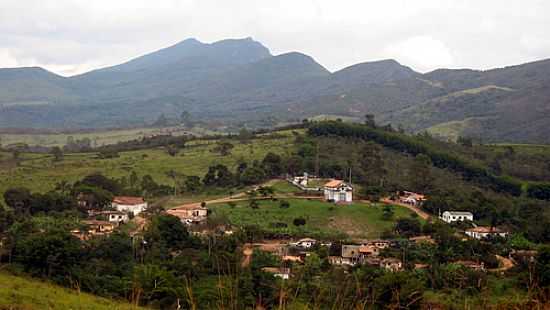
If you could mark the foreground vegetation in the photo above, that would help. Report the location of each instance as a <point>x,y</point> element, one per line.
<point>18,292</point>
<point>165,263</point>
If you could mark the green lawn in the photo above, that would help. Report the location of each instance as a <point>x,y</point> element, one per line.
<point>25,293</point>
<point>284,187</point>
<point>322,219</point>
<point>39,173</point>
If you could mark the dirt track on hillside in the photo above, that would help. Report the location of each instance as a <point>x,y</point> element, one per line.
<point>423,214</point>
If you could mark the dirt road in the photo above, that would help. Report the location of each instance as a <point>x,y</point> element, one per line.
<point>423,214</point>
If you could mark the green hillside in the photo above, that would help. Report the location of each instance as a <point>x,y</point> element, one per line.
<point>31,294</point>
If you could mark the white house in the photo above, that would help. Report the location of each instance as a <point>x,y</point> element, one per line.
<point>127,204</point>
<point>456,216</point>
<point>306,243</point>
<point>482,232</point>
<point>412,198</point>
<point>190,214</point>
<point>116,216</point>
<point>338,191</point>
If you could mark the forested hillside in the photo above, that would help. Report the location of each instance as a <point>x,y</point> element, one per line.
<point>239,83</point>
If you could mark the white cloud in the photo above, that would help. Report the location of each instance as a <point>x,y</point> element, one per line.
<point>422,52</point>
<point>81,34</point>
<point>7,60</point>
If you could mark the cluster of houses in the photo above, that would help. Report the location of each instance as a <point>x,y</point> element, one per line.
<point>123,208</point>
<point>365,252</point>
<point>477,232</point>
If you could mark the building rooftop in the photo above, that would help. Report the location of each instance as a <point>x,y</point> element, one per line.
<point>128,200</point>
<point>460,213</point>
<point>485,229</point>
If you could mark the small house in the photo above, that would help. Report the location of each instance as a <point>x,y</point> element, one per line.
<point>306,243</point>
<point>190,214</point>
<point>134,205</point>
<point>482,232</point>
<point>116,216</point>
<point>391,264</point>
<point>283,273</point>
<point>338,191</point>
<point>456,216</point>
<point>412,198</point>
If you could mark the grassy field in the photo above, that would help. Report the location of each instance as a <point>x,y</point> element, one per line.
<point>29,294</point>
<point>358,220</point>
<point>39,173</point>
<point>99,137</point>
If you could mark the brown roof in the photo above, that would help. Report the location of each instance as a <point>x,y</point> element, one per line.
<point>95,222</point>
<point>485,229</point>
<point>334,183</point>
<point>186,207</point>
<point>127,200</point>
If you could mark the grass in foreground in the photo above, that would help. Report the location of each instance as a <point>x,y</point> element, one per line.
<point>23,293</point>
<point>323,219</point>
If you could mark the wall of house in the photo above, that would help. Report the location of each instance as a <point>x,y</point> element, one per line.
<point>136,209</point>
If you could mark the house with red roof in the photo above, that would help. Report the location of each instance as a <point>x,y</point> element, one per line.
<point>338,191</point>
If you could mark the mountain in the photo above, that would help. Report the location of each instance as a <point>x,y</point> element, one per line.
<point>238,81</point>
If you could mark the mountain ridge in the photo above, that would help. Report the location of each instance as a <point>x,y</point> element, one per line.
<point>239,81</point>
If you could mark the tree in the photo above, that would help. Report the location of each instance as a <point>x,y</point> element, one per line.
<point>369,120</point>
<point>192,183</point>
<point>299,221</point>
<point>372,165</point>
<point>223,148</point>
<point>19,199</point>
<point>421,173</point>
<point>172,150</point>
<point>57,153</point>
<point>252,175</point>
<point>48,253</point>
<point>387,212</point>
<point>218,175</point>
<point>283,204</point>
<point>168,232</point>
<point>408,227</point>
<point>272,164</point>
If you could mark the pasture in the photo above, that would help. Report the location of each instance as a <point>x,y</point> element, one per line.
<point>39,172</point>
<point>323,219</point>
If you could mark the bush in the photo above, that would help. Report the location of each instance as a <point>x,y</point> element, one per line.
<point>284,204</point>
<point>299,221</point>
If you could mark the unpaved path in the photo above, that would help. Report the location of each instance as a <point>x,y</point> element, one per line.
<point>505,264</point>
<point>243,197</point>
<point>423,214</point>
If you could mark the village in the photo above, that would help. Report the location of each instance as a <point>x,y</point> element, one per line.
<point>194,216</point>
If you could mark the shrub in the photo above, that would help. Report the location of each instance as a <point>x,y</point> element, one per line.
<point>299,221</point>
<point>284,204</point>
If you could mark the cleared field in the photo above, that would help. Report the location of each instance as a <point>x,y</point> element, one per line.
<point>322,219</point>
<point>40,173</point>
<point>98,138</point>
<point>24,293</point>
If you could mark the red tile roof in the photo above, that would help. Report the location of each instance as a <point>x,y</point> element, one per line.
<point>127,200</point>
<point>485,229</point>
<point>334,183</point>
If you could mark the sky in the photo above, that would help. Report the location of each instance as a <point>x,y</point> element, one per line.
<point>69,37</point>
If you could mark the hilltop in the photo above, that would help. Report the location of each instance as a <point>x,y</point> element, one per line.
<point>238,82</point>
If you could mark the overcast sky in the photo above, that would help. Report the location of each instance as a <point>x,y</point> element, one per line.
<point>74,36</point>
